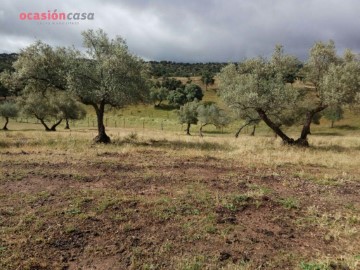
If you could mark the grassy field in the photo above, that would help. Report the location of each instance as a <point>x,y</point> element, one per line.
<point>157,199</point>
<point>162,200</point>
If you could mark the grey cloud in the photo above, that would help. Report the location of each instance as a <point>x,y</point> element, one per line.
<point>191,30</point>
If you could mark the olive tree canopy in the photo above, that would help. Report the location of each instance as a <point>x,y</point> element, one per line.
<point>107,74</point>
<point>260,86</point>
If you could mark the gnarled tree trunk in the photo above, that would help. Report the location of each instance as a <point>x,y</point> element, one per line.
<point>102,137</point>
<point>188,129</point>
<point>253,131</point>
<point>67,126</point>
<point>274,127</point>
<point>200,130</point>
<point>53,127</point>
<point>6,123</point>
<point>302,140</point>
<point>241,128</point>
<point>47,128</point>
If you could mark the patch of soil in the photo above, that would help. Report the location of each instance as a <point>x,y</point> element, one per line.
<point>142,210</point>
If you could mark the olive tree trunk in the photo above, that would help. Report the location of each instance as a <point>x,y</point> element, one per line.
<point>102,137</point>
<point>67,126</point>
<point>302,140</point>
<point>253,131</point>
<point>200,130</point>
<point>47,128</point>
<point>6,123</point>
<point>188,129</point>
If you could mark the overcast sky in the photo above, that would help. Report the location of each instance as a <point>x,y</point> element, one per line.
<point>191,30</point>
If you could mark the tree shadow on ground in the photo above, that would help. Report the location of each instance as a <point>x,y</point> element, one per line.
<point>334,133</point>
<point>347,127</point>
<point>174,145</point>
<point>334,148</point>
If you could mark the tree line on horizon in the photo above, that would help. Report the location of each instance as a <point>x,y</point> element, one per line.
<point>53,83</point>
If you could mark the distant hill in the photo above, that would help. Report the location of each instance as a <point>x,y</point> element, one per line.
<point>173,69</point>
<point>157,68</point>
<point>6,60</point>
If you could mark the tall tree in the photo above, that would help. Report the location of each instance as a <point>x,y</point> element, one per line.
<point>107,74</point>
<point>260,86</point>
<point>40,79</point>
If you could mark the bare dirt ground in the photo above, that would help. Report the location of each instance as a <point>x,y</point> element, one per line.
<point>161,209</point>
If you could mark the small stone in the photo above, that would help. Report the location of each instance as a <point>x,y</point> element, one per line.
<point>224,256</point>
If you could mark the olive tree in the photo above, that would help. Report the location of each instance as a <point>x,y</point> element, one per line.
<point>334,114</point>
<point>70,109</point>
<point>8,110</point>
<point>249,120</point>
<point>39,78</point>
<point>188,114</point>
<point>107,75</point>
<point>261,86</point>
<point>50,107</point>
<point>158,95</point>
<point>39,67</point>
<point>42,106</point>
<point>210,114</point>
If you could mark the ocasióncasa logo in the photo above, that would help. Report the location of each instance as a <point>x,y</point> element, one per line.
<point>56,16</point>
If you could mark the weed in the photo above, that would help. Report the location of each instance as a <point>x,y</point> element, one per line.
<point>193,264</point>
<point>313,266</point>
<point>290,203</point>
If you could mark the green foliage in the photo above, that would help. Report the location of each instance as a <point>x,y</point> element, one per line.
<point>170,83</point>
<point>207,78</point>
<point>313,266</point>
<point>334,114</point>
<point>172,69</point>
<point>255,84</point>
<point>287,65</point>
<point>188,113</point>
<point>108,74</point>
<point>180,96</point>
<point>6,61</point>
<point>158,95</point>
<point>290,203</point>
<point>210,114</point>
<point>260,86</point>
<point>50,106</point>
<point>42,105</point>
<point>9,109</point>
<point>4,91</point>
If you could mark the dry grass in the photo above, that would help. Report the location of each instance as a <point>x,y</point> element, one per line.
<point>162,200</point>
